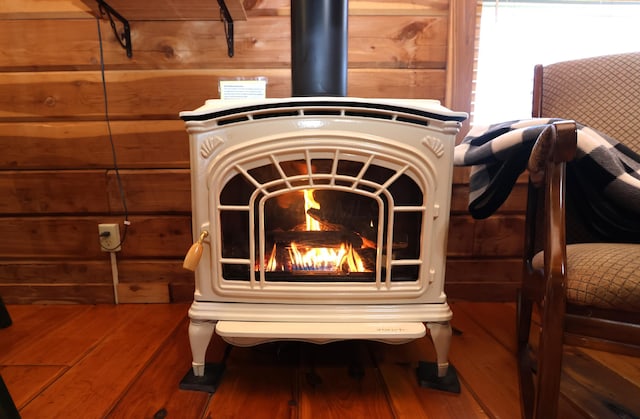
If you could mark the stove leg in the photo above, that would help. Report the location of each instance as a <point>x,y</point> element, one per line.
<point>202,376</point>
<point>441,336</point>
<point>200,334</point>
<point>439,375</point>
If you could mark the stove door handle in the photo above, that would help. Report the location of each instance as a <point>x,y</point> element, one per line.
<point>194,254</point>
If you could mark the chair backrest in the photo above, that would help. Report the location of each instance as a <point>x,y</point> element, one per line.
<point>600,92</point>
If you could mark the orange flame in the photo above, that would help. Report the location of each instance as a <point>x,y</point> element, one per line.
<point>326,259</point>
<point>272,265</point>
<point>321,259</point>
<point>310,203</point>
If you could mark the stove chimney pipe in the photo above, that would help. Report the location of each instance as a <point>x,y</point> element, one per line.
<point>319,47</point>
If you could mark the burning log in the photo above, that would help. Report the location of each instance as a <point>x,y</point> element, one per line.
<point>316,238</point>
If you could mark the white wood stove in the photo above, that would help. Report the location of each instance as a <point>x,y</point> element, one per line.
<point>319,219</point>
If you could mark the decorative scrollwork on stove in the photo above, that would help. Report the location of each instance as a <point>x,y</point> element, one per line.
<point>209,145</point>
<point>434,144</point>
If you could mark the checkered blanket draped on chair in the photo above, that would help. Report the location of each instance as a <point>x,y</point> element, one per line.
<point>604,170</point>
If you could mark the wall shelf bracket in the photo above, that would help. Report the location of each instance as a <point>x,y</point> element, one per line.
<point>124,37</point>
<point>228,26</point>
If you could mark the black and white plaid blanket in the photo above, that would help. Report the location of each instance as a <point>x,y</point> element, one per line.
<point>604,170</point>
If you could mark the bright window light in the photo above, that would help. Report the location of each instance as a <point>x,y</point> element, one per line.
<point>517,35</point>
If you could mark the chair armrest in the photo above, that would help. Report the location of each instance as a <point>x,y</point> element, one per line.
<point>562,148</point>
<point>545,222</point>
<point>556,144</point>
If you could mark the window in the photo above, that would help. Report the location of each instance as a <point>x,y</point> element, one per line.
<point>517,35</point>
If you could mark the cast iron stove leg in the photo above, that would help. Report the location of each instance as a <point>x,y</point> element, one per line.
<point>202,376</point>
<point>200,334</point>
<point>439,375</point>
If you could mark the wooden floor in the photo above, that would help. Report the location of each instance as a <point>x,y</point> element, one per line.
<point>126,361</point>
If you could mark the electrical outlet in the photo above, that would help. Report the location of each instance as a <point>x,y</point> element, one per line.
<point>109,235</point>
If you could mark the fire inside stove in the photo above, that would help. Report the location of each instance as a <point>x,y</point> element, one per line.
<point>318,245</point>
<point>321,220</point>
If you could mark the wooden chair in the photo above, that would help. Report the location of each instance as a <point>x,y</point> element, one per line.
<point>5,318</point>
<point>587,287</point>
<point>7,406</point>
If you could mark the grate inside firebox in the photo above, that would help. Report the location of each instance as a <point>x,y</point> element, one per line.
<point>355,216</point>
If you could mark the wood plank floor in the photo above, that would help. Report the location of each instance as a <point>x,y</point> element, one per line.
<point>126,361</point>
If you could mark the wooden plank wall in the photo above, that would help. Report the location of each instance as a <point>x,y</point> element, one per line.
<point>57,174</point>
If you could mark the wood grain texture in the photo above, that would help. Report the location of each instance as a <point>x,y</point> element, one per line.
<point>623,365</point>
<point>126,361</point>
<point>43,39</point>
<point>85,281</point>
<point>57,169</point>
<point>399,42</point>
<point>499,235</point>
<point>265,391</point>
<point>264,43</point>
<point>397,367</point>
<point>461,236</point>
<point>46,192</point>
<point>97,271</point>
<point>143,292</point>
<point>182,292</point>
<point>491,373</point>
<point>40,268</point>
<point>154,270</point>
<point>112,364</point>
<point>155,389</point>
<point>338,395</point>
<point>37,237</point>
<point>172,9</point>
<point>484,270</point>
<point>81,332</point>
<point>26,272</point>
<point>44,9</point>
<point>28,320</point>
<point>591,383</point>
<point>51,96</point>
<point>95,192</point>
<point>86,145</point>
<point>87,293</point>
<point>481,292</point>
<point>29,380</point>
<point>255,8</point>
<point>202,9</point>
<point>151,191</point>
<point>515,203</point>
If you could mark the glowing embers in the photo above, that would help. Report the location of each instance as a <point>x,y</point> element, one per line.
<point>318,246</point>
<point>343,259</point>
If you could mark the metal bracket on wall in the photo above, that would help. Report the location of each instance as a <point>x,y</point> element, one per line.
<point>123,38</point>
<point>228,26</point>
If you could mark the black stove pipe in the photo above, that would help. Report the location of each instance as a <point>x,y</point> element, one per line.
<point>319,47</point>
